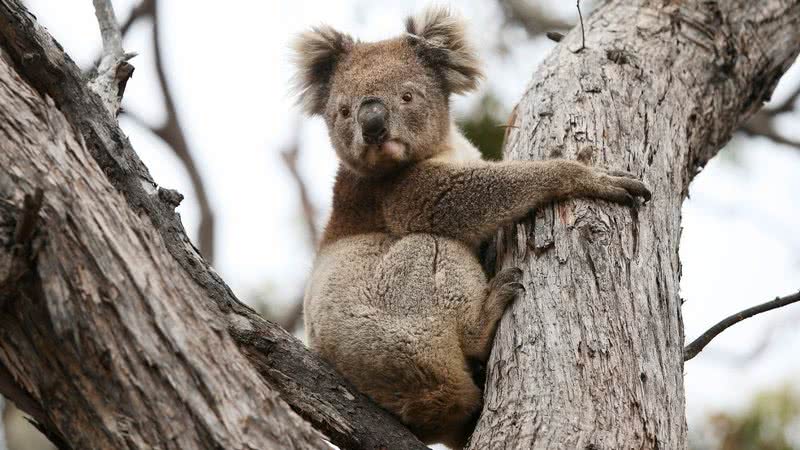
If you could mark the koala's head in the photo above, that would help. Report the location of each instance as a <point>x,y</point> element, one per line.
<point>386,103</point>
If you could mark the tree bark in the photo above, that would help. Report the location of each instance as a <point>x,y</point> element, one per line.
<point>114,332</point>
<point>95,327</point>
<point>591,356</point>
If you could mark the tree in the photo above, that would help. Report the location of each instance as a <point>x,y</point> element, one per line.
<point>592,356</point>
<point>767,422</point>
<point>115,333</point>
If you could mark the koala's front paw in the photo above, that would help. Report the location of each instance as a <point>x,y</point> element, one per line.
<point>621,187</point>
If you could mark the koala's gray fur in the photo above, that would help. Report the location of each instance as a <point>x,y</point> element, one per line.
<point>398,301</point>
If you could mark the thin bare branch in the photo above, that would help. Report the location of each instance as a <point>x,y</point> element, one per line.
<point>113,71</point>
<point>769,335</point>
<point>109,28</point>
<point>691,350</point>
<point>143,9</point>
<point>290,156</point>
<point>763,124</point>
<point>171,131</point>
<point>787,105</point>
<point>583,31</point>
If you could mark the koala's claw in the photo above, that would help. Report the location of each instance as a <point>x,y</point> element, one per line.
<point>518,287</point>
<point>634,187</point>
<point>625,187</point>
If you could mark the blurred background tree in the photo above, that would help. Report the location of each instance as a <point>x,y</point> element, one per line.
<point>771,421</point>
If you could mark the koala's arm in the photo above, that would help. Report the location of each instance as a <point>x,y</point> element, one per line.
<point>469,201</point>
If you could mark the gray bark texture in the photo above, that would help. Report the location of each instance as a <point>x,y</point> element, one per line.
<point>99,330</point>
<point>591,356</point>
<point>114,332</point>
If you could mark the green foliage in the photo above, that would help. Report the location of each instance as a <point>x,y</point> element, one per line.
<point>770,422</point>
<point>485,127</point>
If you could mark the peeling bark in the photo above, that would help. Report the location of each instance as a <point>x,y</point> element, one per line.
<point>118,334</point>
<point>591,356</point>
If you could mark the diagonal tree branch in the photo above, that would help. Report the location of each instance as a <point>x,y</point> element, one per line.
<point>762,344</point>
<point>691,350</point>
<point>308,384</point>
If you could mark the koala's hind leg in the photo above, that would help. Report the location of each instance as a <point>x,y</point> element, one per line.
<point>481,320</point>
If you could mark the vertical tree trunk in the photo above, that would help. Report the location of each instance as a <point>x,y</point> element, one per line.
<point>591,356</point>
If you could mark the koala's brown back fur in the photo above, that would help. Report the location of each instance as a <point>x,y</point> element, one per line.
<point>398,301</point>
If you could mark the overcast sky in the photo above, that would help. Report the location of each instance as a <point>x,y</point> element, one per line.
<point>229,69</point>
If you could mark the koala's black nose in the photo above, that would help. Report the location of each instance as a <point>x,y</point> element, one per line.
<point>372,116</point>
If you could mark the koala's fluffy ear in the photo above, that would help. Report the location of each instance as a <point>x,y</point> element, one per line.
<point>440,40</point>
<point>316,54</point>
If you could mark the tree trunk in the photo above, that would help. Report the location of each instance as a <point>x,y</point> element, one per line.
<point>591,357</point>
<point>95,326</point>
<point>114,332</point>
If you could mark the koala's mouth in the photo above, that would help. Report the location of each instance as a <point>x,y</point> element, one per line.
<point>394,149</point>
<point>391,149</point>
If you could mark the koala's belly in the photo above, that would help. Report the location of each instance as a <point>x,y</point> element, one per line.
<point>373,295</point>
<point>413,274</point>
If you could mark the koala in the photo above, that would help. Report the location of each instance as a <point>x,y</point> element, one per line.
<point>398,301</point>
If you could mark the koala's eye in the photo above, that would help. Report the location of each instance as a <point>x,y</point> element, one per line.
<point>344,111</point>
<point>407,97</point>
